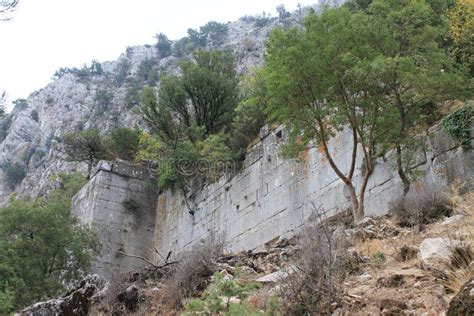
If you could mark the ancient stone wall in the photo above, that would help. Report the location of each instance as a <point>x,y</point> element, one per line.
<point>269,197</point>
<point>119,204</point>
<point>272,197</point>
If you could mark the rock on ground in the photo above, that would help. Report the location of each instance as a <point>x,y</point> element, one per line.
<point>75,302</point>
<point>436,249</point>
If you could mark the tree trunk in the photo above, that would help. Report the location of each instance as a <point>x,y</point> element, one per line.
<point>89,169</point>
<point>401,172</point>
<point>357,212</point>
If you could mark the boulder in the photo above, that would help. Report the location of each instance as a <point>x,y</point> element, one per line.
<point>75,302</point>
<point>434,250</point>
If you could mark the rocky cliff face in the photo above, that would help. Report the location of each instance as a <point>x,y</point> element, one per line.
<point>69,103</point>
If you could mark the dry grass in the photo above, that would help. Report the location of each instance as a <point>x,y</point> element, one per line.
<point>315,284</point>
<point>191,275</point>
<point>422,207</point>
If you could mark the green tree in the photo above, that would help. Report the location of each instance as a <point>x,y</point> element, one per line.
<point>87,146</point>
<point>190,112</point>
<point>249,115</point>
<point>208,84</point>
<point>14,174</point>
<point>42,246</point>
<point>412,67</point>
<point>163,45</point>
<point>320,82</point>
<point>124,143</point>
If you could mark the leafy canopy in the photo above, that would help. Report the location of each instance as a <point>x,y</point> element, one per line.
<point>43,247</point>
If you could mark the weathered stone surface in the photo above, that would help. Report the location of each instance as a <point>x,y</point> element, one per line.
<point>102,203</point>
<point>75,302</point>
<point>433,250</point>
<point>272,197</point>
<point>264,203</point>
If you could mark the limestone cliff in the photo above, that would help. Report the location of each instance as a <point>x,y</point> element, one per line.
<point>34,128</point>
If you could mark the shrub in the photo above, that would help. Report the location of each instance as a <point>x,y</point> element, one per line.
<point>20,104</point>
<point>314,287</point>
<point>103,98</point>
<point>124,143</point>
<point>50,249</point>
<point>191,275</point>
<point>458,125</point>
<point>216,300</point>
<point>163,45</point>
<point>421,207</point>
<point>147,73</point>
<point>122,70</point>
<point>132,96</point>
<point>5,124</point>
<point>131,205</point>
<point>461,256</point>
<point>14,173</point>
<point>34,115</point>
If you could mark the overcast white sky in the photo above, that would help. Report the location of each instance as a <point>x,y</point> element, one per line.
<point>48,34</point>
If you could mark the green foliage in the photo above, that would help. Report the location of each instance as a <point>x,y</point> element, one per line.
<point>191,116</point>
<point>378,259</point>
<point>42,246</point>
<point>163,45</point>
<point>34,115</point>
<point>20,104</point>
<point>249,115</point>
<point>215,299</point>
<point>458,125</point>
<point>147,72</point>
<point>84,73</point>
<point>122,70</point>
<point>124,143</point>
<point>5,123</point>
<point>103,98</point>
<point>86,146</point>
<point>131,205</point>
<point>132,96</point>
<point>14,174</point>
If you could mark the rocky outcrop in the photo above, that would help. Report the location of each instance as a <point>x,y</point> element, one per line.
<point>75,302</point>
<point>69,104</point>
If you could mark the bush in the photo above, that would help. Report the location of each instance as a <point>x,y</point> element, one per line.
<point>216,300</point>
<point>103,98</point>
<point>314,287</point>
<point>132,96</point>
<point>147,73</point>
<point>191,275</point>
<point>122,70</point>
<point>34,115</point>
<point>124,143</point>
<point>421,207</point>
<point>5,123</point>
<point>50,249</point>
<point>14,173</point>
<point>458,125</point>
<point>163,45</point>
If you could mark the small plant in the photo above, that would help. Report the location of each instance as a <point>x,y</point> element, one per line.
<point>458,125</point>
<point>131,205</point>
<point>461,256</point>
<point>218,298</point>
<point>15,173</point>
<point>49,100</point>
<point>378,259</point>
<point>191,275</point>
<point>34,115</point>
<point>421,207</point>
